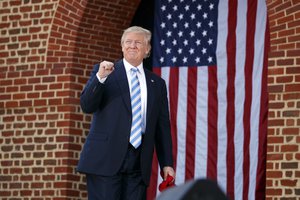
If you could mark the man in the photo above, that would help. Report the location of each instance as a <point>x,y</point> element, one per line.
<point>130,117</point>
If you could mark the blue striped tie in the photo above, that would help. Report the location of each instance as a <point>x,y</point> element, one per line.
<point>136,127</point>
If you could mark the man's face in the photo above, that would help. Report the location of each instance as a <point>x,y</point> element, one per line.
<point>134,48</point>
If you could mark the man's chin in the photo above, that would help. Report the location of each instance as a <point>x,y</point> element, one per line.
<point>131,59</point>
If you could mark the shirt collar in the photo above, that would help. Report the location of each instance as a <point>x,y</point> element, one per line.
<point>128,66</point>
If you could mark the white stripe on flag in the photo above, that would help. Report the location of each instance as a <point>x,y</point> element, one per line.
<point>201,123</point>
<point>222,100</point>
<point>240,97</point>
<point>181,125</point>
<point>165,74</point>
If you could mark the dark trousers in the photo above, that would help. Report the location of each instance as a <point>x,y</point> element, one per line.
<point>127,184</point>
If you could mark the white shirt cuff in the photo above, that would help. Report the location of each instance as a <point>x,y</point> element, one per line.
<point>101,80</point>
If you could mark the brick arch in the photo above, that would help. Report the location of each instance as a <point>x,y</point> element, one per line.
<point>82,33</point>
<point>47,49</point>
<point>85,32</point>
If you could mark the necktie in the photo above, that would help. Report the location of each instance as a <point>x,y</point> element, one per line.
<point>136,127</point>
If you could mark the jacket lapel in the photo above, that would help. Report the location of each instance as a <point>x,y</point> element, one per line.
<point>150,93</point>
<point>122,81</point>
<point>121,77</point>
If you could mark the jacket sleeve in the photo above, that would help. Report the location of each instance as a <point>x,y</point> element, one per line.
<point>163,132</point>
<point>91,95</point>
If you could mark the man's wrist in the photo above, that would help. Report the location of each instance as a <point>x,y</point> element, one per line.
<point>101,80</point>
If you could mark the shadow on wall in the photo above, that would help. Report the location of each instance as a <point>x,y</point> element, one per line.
<point>144,17</point>
<point>99,32</point>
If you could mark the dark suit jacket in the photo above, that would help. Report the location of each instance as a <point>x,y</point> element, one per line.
<point>107,142</point>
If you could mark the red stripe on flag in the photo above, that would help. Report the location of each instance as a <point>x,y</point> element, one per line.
<point>212,116</point>
<point>191,123</point>
<point>173,99</point>
<point>250,34</point>
<point>230,115</point>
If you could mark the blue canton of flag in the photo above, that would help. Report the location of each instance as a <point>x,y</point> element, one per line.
<point>185,33</point>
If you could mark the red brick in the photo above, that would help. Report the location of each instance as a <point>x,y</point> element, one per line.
<point>26,193</point>
<point>285,19</point>
<point>275,88</point>
<point>62,94</point>
<point>40,87</point>
<point>11,104</point>
<point>274,192</point>
<point>294,23</point>
<point>289,183</point>
<point>276,122</point>
<point>30,117</point>
<point>271,80</point>
<point>294,38</point>
<point>273,47</point>
<point>297,78</point>
<point>284,79</point>
<point>56,86</point>
<point>283,62</point>
<point>4,25</point>
<point>289,148</point>
<point>274,174</point>
<point>27,74</point>
<point>287,46</point>
<point>275,140</point>
<point>289,165</point>
<point>13,74</point>
<point>292,87</point>
<point>286,33</point>
<point>276,71</point>
<point>290,122</point>
<point>47,94</point>
<point>38,103</point>
<point>291,113</point>
<point>26,88</point>
<point>52,59</point>
<point>277,15</point>
<point>276,54</point>
<point>275,157</point>
<point>4,54</point>
<point>55,101</point>
<point>5,82</point>
<point>293,70</point>
<point>18,96</point>
<point>283,6</point>
<point>33,95</point>
<point>6,97</point>
<point>293,9</point>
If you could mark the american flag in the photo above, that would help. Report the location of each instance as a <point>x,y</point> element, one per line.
<point>213,57</point>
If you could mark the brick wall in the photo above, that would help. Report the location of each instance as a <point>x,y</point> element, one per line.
<point>283,166</point>
<point>47,49</point>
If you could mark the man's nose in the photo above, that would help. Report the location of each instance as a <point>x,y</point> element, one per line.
<point>133,44</point>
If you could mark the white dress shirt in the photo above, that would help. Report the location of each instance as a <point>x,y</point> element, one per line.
<point>143,85</point>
